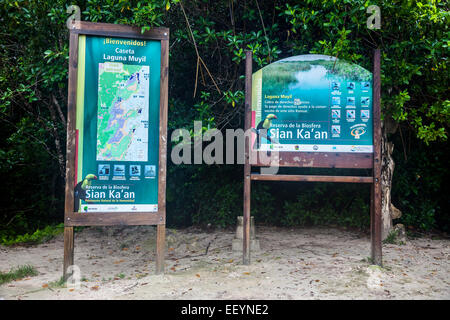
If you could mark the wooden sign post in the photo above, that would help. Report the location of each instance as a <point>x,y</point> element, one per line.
<point>326,116</point>
<point>116,130</point>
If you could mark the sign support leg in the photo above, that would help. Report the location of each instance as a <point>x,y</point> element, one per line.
<point>160,247</point>
<point>246,222</point>
<point>375,215</point>
<point>70,155</point>
<point>375,226</point>
<point>247,165</point>
<point>68,251</point>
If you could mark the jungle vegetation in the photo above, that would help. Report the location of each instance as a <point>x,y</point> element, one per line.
<point>207,49</point>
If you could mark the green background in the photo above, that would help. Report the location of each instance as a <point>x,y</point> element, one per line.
<point>146,190</point>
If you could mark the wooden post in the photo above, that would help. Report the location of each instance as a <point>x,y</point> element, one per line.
<point>375,219</point>
<point>70,155</point>
<point>163,110</point>
<point>160,247</point>
<point>68,251</point>
<point>247,166</point>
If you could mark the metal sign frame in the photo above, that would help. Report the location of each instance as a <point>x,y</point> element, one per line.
<point>72,218</point>
<point>319,160</point>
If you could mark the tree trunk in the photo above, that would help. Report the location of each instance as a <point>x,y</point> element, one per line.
<point>388,210</point>
<point>61,160</point>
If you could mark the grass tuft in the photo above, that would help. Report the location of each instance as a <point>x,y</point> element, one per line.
<point>58,283</point>
<point>18,273</point>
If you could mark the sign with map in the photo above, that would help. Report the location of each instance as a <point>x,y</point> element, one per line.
<point>312,103</point>
<point>117,125</point>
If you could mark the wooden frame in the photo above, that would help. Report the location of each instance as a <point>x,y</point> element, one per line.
<point>320,160</point>
<point>72,218</point>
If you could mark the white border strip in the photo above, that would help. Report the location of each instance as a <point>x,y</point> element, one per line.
<point>317,148</point>
<point>119,208</point>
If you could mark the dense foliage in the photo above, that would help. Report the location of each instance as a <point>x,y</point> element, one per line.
<point>207,48</point>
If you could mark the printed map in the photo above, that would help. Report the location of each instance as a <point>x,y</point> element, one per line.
<point>123,112</point>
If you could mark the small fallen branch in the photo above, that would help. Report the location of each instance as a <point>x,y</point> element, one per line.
<point>199,58</point>
<point>131,287</point>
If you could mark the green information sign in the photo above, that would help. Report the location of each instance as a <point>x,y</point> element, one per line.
<point>313,103</point>
<point>117,124</point>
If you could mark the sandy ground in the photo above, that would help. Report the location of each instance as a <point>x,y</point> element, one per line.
<point>306,263</point>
